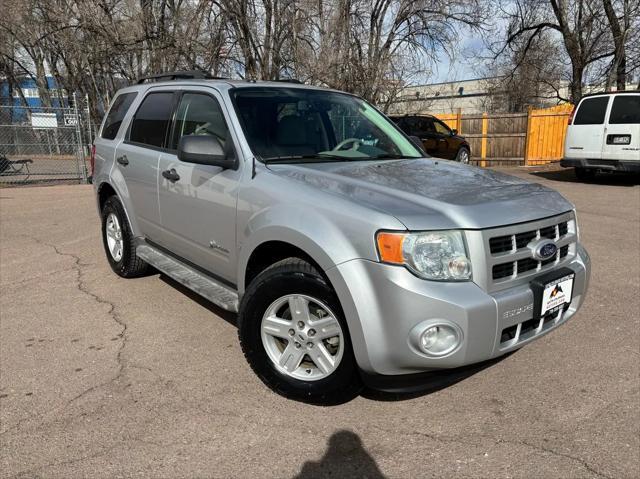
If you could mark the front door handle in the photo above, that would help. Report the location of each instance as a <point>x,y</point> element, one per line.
<point>171,175</point>
<point>123,160</point>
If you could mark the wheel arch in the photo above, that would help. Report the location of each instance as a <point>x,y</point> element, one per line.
<point>269,247</point>
<point>107,189</point>
<point>299,246</point>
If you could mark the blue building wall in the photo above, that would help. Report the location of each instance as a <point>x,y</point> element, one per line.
<point>29,86</point>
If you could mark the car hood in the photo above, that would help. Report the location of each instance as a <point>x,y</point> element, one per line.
<point>432,194</point>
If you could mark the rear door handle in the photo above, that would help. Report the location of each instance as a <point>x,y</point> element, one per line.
<point>123,160</point>
<point>171,175</point>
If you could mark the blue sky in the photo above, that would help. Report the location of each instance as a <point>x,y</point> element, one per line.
<point>462,66</point>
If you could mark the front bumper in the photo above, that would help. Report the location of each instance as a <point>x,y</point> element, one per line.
<point>383,304</point>
<point>608,165</point>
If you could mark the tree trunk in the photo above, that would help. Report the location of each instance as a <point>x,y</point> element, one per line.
<point>619,64</point>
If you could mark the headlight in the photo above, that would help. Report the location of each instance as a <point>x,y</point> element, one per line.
<point>437,255</point>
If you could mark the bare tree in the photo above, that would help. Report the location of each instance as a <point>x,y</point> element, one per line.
<point>527,74</point>
<point>579,24</point>
<point>370,47</point>
<point>622,26</point>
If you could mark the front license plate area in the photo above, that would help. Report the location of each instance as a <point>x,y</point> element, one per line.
<point>552,292</point>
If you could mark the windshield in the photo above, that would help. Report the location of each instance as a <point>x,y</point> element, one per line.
<point>287,124</point>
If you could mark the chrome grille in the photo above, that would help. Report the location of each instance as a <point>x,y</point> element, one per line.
<point>507,260</point>
<point>502,244</point>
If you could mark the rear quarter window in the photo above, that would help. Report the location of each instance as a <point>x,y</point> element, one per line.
<point>592,111</point>
<point>151,121</point>
<point>116,114</point>
<point>625,110</point>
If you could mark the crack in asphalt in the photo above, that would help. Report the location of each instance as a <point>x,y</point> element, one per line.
<point>111,312</point>
<point>29,472</point>
<point>458,440</point>
<point>36,277</point>
<point>553,452</point>
<point>78,266</point>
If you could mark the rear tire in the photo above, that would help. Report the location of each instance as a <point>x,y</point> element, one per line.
<point>118,241</point>
<point>463,155</point>
<point>585,173</point>
<point>296,362</point>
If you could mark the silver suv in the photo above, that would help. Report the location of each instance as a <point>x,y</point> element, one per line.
<point>350,257</point>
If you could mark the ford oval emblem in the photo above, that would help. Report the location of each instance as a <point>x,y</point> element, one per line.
<point>544,249</point>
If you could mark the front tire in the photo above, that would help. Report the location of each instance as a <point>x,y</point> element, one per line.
<point>294,336</point>
<point>463,155</point>
<point>118,241</point>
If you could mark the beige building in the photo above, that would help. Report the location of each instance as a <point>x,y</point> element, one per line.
<point>470,96</point>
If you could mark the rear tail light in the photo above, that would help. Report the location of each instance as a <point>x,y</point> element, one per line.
<point>92,161</point>
<point>573,112</point>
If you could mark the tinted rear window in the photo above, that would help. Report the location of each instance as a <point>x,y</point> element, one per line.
<point>592,111</point>
<point>116,114</point>
<point>625,109</point>
<point>149,126</point>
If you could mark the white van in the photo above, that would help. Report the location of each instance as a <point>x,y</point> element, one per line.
<point>604,134</point>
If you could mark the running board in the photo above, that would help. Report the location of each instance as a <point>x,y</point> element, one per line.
<point>196,281</point>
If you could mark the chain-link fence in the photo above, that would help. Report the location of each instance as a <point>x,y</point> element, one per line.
<point>45,144</point>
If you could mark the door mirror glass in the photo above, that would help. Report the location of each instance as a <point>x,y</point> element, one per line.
<point>454,132</point>
<point>204,150</point>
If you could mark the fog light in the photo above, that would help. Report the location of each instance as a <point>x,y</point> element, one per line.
<point>439,340</point>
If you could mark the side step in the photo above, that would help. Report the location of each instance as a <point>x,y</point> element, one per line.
<point>197,282</point>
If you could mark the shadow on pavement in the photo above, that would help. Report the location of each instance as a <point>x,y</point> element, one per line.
<point>229,317</point>
<point>345,457</point>
<point>423,384</point>
<point>568,176</point>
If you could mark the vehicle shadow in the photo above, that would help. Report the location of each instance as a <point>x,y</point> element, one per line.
<point>345,457</point>
<point>568,176</point>
<point>428,383</point>
<point>413,386</point>
<point>228,316</point>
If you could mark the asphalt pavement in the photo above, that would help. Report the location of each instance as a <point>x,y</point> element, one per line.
<point>106,377</point>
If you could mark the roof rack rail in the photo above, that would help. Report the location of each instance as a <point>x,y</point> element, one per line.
<point>289,80</point>
<point>613,92</point>
<point>179,75</point>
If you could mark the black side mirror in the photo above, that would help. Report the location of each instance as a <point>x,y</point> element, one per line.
<point>454,132</point>
<point>205,150</point>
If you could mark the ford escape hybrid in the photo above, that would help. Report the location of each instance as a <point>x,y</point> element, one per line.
<point>349,256</point>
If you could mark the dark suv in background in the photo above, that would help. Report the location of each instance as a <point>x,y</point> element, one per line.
<point>437,138</point>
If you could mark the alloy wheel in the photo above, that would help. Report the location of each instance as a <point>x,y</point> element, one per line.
<point>302,337</point>
<point>113,231</point>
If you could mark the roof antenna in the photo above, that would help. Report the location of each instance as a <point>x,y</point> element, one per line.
<point>253,168</point>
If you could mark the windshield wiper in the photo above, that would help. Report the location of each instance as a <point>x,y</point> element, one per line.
<point>319,157</point>
<point>386,156</point>
<point>288,158</point>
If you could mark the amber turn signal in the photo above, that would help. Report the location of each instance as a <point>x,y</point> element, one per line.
<point>390,247</point>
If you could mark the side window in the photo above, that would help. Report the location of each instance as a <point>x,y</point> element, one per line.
<point>592,111</point>
<point>199,114</point>
<point>426,126</point>
<point>402,124</point>
<point>420,126</point>
<point>116,114</point>
<point>441,128</point>
<point>149,125</point>
<point>625,110</point>
<point>410,126</point>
